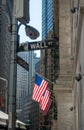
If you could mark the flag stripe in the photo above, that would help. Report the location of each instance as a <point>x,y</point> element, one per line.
<point>45,100</point>
<point>39,92</point>
<point>47,107</point>
<point>39,89</point>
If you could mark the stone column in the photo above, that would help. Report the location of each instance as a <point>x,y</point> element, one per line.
<point>63,89</point>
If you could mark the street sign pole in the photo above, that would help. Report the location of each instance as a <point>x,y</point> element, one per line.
<point>22,63</point>
<point>13,74</point>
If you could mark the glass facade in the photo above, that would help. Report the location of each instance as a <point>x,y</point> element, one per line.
<point>24,78</point>
<point>47,17</point>
<point>47,64</point>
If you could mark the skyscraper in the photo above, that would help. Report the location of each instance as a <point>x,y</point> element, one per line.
<point>24,80</point>
<point>47,33</point>
<point>49,57</point>
<point>47,17</point>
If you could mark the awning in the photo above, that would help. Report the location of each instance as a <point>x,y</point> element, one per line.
<point>3,122</point>
<point>3,115</point>
<point>20,124</point>
<point>4,118</point>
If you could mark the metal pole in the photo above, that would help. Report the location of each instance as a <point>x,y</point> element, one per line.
<point>13,74</point>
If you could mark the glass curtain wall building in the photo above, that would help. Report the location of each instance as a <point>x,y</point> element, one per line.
<point>47,30</point>
<point>24,81</point>
<point>49,57</point>
<point>47,17</point>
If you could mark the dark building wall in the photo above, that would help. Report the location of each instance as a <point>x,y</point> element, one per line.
<point>5,37</point>
<point>30,111</point>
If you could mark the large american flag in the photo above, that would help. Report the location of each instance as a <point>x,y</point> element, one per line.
<point>40,87</point>
<point>47,107</point>
<point>45,101</point>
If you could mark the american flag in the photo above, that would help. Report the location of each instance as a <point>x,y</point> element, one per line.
<point>47,107</point>
<point>40,87</point>
<point>45,101</point>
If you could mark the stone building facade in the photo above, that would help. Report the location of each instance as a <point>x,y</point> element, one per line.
<point>69,88</point>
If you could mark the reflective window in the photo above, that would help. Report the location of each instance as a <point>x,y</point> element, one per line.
<point>47,17</point>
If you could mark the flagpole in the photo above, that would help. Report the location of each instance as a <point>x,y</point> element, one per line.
<point>44,78</point>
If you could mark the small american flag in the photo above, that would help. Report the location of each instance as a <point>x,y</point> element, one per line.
<point>45,101</point>
<point>40,87</point>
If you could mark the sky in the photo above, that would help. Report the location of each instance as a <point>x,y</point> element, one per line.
<point>35,21</point>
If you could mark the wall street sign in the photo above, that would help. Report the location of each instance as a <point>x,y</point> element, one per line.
<point>47,44</point>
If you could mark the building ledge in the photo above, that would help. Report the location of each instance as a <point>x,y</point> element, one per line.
<point>62,89</point>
